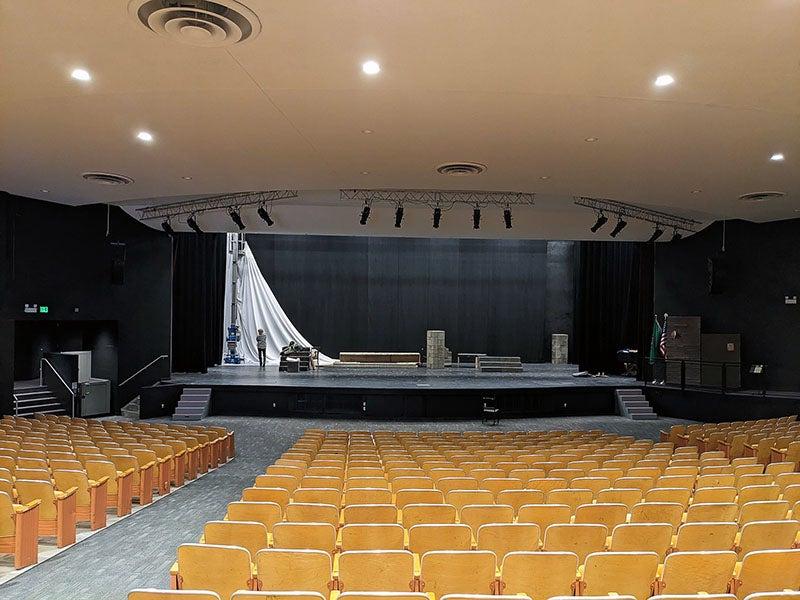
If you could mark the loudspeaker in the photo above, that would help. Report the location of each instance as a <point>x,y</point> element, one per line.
<point>717,271</point>
<point>118,263</point>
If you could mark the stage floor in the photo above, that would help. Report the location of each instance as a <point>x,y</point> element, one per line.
<point>540,375</point>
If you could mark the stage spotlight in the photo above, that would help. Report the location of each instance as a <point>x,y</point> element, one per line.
<point>398,216</point>
<point>237,218</point>
<point>437,217</point>
<point>601,220</point>
<point>676,236</point>
<point>657,233</point>
<point>167,226</point>
<point>364,214</point>
<point>507,217</point>
<point>621,224</point>
<point>192,222</point>
<point>262,212</point>
<point>476,218</point>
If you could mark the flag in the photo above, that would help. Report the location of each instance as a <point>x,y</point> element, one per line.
<point>655,340</point>
<point>662,345</point>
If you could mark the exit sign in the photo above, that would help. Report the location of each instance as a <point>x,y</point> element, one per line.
<point>44,309</point>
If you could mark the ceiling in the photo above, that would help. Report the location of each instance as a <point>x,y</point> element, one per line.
<point>517,85</point>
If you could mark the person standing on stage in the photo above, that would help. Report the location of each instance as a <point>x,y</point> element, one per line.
<point>261,344</point>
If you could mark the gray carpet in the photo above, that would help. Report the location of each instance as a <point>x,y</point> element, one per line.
<point>138,551</point>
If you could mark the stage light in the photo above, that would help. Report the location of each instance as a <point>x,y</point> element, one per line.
<point>601,220</point>
<point>167,226</point>
<point>81,75</point>
<point>237,218</point>
<point>676,236</point>
<point>192,222</point>
<point>437,217</point>
<point>507,217</point>
<point>476,218</point>
<point>398,216</point>
<point>262,212</point>
<point>145,136</point>
<point>664,80</point>
<point>365,214</point>
<point>371,67</point>
<point>657,233</point>
<point>621,224</point>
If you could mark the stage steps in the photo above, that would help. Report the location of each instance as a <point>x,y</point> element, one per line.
<point>193,405</point>
<point>632,403</point>
<point>29,401</point>
<point>498,364</point>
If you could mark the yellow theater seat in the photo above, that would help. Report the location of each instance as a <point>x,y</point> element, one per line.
<point>151,594</point>
<point>220,569</point>
<point>578,539</point>
<point>768,571</point>
<point>619,573</point>
<point>539,575</point>
<point>502,538</point>
<point>453,572</point>
<point>90,496</point>
<point>19,531</point>
<point>376,571</point>
<point>56,509</point>
<point>697,572</point>
<point>294,570</point>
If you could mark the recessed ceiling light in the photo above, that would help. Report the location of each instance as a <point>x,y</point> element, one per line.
<point>186,177</point>
<point>365,172</point>
<point>371,67</point>
<point>544,177</point>
<point>777,157</point>
<point>81,75</point>
<point>145,136</point>
<point>44,191</point>
<point>366,131</point>
<point>664,80</point>
<point>697,191</point>
<point>590,139</point>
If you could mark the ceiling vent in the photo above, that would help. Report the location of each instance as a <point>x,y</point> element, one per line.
<point>107,178</point>
<point>460,169</point>
<point>209,23</point>
<point>761,196</point>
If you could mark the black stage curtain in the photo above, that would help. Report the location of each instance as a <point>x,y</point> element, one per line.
<point>198,293</point>
<point>613,302</point>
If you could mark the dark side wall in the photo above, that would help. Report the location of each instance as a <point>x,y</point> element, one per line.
<point>381,294</point>
<point>60,256</point>
<point>761,266</point>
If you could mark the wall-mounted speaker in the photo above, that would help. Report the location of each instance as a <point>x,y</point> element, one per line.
<point>118,263</point>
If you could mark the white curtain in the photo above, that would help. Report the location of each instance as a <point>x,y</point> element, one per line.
<point>258,309</point>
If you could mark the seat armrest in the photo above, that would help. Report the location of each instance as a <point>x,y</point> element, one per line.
<point>23,508</point>
<point>99,482</point>
<point>64,495</point>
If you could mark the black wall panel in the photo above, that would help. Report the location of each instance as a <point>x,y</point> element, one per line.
<point>382,294</point>
<point>763,266</point>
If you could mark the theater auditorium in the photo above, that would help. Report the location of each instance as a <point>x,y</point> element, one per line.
<point>399,300</point>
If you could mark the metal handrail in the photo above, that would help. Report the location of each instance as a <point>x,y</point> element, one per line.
<point>61,379</point>
<point>144,368</point>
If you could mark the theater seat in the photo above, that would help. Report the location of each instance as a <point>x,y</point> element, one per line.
<point>768,571</point>
<point>119,486</point>
<point>418,514</point>
<point>198,568</point>
<point>276,595</point>
<point>91,496</point>
<point>372,537</point>
<point>539,575</point>
<point>56,510</point>
<point>250,535</point>
<point>383,596</point>
<point>697,573</point>
<point>376,571</point>
<point>295,570</point>
<point>19,531</point>
<point>619,573</point>
<point>172,595</point>
<point>502,538</point>
<point>446,572</point>
<point>313,536</point>
<point>579,539</point>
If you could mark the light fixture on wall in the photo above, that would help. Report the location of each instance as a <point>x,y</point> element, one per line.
<point>476,218</point>
<point>507,217</point>
<point>365,214</point>
<point>437,216</point>
<point>657,233</point>
<point>398,216</point>
<point>621,224</point>
<point>236,217</point>
<point>264,214</point>
<point>167,227</point>
<point>601,220</point>
<point>192,223</point>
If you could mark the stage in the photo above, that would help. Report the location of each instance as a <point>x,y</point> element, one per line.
<point>386,392</point>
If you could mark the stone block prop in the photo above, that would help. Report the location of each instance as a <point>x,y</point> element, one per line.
<point>559,353</point>
<point>437,353</point>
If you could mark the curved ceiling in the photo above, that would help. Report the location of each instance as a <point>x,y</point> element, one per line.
<point>517,85</point>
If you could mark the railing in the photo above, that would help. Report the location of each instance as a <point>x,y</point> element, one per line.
<point>66,386</point>
<point>144,368</point>
<point>699,374</point>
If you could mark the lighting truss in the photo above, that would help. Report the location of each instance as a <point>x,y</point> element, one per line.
<point>439,198</point>
<point>222,202</point>
<point>623,209</point>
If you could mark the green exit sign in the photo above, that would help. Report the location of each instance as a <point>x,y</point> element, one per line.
<point>44,309</point>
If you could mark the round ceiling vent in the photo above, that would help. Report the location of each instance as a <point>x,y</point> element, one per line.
<point>761,196</point>
<point>107,178</point>
<point>210,23</point>
<point>459,169</point>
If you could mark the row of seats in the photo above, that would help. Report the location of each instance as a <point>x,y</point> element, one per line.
<point>333,521</point>
<point>57,472</point>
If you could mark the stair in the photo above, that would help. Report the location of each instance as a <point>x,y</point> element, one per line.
<point>632,404</point>
<point>29,401</point>
<point>498,364</point>
<point>131,409</point>
<point>193,405</point>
